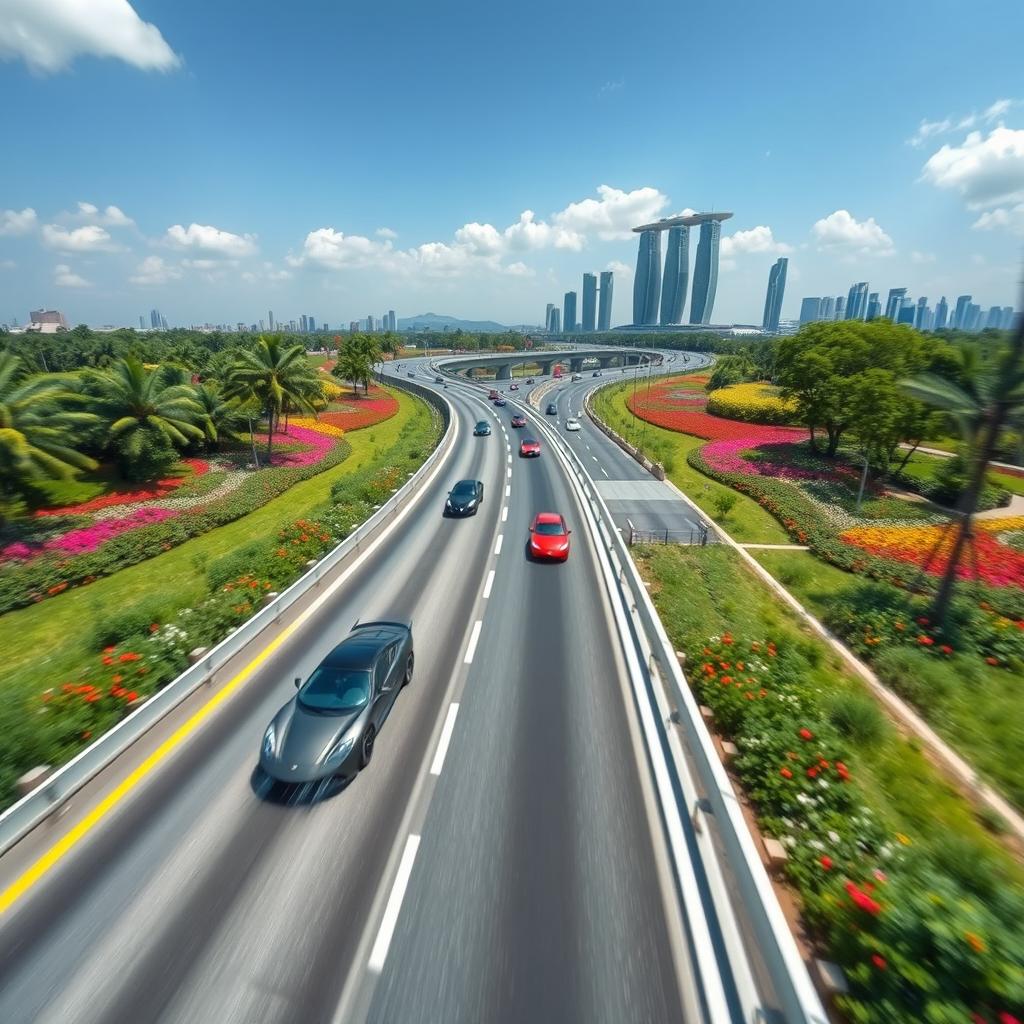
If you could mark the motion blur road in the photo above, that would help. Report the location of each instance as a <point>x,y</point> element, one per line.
<point>501,858</point>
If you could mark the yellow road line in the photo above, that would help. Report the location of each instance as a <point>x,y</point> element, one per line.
<point>68,842</point>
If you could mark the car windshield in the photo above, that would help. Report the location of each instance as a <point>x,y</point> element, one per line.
<point>331,690</point>
<point>464,489</point>
<point>549,529</point>
<point>528,441</point>
<point>481,425</point>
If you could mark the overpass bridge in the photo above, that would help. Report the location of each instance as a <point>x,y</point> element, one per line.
<point>502,362</point>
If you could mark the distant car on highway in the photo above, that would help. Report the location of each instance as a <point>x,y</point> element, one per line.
<point>439,379</point>
<point>552,409</point>
<point>513,387</point>
<point>577,376</point>
<point>330,726</point>
<point>572,423</point>
<point>465,498</point>
<point>529,380</point>
<point>549,537</point>
<point>482,429</point>
<point>529,448</point>
<point>492,394</point>
<point>596,373</point>
<point>500,401</point>
<point>518,420</point>
<point>411,373</point>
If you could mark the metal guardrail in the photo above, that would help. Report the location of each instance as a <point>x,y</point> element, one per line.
<point>718,829</point>
<point>699,536</point>
<point>35,807</point>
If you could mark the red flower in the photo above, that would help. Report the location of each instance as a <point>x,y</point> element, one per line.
<point>116,679</point>
<point>1008,1018</point>
<point>991,660</point>
<point>922,620</point>
<point>826,862</point>
<point>806,734</point>
<point>154,626</point>
<point>879,961</point>
<point>726,680</point>
<point>131,695</point>
<point>130,656</point>
<point>812,773</point>
<point>925,641</point>
<point>946,649</point>
<point>862,899</point>
<point>843,771</point>
<point>108,650</point>
<point>92,697</point>
<point>785,773</point>
<point>107,660</point>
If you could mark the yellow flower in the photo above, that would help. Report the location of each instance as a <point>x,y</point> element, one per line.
<point>903,839</point>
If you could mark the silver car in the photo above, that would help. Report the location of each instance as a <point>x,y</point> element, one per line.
<point>329,727</point>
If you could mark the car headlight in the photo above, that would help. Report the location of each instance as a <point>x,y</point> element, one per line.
<point>269,742</point>
<point>341,749</point>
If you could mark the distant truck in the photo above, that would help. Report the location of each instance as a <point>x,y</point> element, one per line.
<point>557,372</point>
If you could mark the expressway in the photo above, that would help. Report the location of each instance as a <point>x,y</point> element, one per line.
<point>500,859</point>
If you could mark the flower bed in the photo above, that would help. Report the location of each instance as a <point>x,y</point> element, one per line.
<point>753,403</point>
<point>358,413</point>
<point>914,941</point>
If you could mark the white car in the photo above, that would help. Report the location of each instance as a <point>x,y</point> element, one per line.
<point>572,423</point>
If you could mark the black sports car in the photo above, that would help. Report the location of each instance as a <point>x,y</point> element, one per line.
<point>465,498</point>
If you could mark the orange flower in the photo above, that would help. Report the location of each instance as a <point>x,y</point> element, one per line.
<point>975,942</point>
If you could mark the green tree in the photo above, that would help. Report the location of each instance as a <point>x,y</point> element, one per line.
<point>356,359</point>
<point>38,418</point>
<point>222,419</point>
<point>993,398</point>
<point>275,377</point>
<point>150,414</point>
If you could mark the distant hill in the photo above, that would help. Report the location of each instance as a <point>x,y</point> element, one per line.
<point>438,322</point>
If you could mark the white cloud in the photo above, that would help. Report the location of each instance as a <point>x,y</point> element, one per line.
<point>519,269</point>
<point>64,277</point>
<point>986,171</point>
<point>204,263</point>
<point>922,257</point>
<point>14,223</point>
<point>613,215</point>
<point>611,86</point>
<point>335,250</point>
<point>619,268</point>
<point>528,233</point>
<point>842,231</point>
<point>112,216</point>
<point>759,239</point>
<point>154,270</point>
<point>208,239</point>
<point>929,129</point>
<point>386,233</point>
<point>88,209</point>
<point>90,238</point>
<point>1006,218</point>
<point>7,264</point>
<point>482,239</point>
<point>49,34</point>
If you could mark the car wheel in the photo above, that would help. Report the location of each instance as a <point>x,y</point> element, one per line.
<point>408,670</point>
<point>366,746</point>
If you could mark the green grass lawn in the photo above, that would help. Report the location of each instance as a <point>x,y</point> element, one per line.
<point>975,708</point>
<point>747,522</point>
<point>61,625</point>
<point>924,467</point>
<point>703,592</point>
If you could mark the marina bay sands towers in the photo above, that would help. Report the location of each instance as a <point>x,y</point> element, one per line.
<point>652,286</point>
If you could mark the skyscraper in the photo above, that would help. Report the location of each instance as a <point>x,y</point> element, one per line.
<point>163,322</point>
<point>154,319</point>
<point>142,323</point>
<point>941,313</point>
<point>857,301</point>
<point>840,307</point>
<point>705,270</point>
<point>773,297</point>
<point>677,275</point>
<point>589,302</point>
<point>874,307</point>
<point>647,283</point>
<point>921,313</point>
<point>569,311</point>
<point>973,317</point>
<point>894,302</point>
<point>906,313</point>
<point>828,308</point>
<point>604,308</point>
<point>392,321</point>
<point>547,316</point>
<point>556,321</point>
<point>1007,321</point>
<point>960,312</point>
<point>810,310</point>
<point>270,318</point>
<point>311,323</point>
<point>994,318</point>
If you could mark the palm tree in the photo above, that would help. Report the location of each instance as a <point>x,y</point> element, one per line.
<point>37,420</point>
<point>274,376</point>
<point>353,365</point>
<point>222,419</point>
<point>988,401</point>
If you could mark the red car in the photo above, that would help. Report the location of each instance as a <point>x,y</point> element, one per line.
<point>549,537</point>
<point>529,448</point>
<point>492,394</point>
<point>513,387</point>
<point>518,420</point>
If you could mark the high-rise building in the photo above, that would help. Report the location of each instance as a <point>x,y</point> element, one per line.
<point>270,318</point>
<point>921,313</point>
<point>547,316</point>
<point>163,323</point>
<point>874,307</point>
<point>960,312</point>
<point>906,313</point>
<point>894,302</point>
<point>569,312</point>
<point>857,301</point>
<point>353,326</point>
<point>773,297</point>
<point>154,319</point>
<point>311,323</point>
<point>589,302</point>
<point>705,270</point>
<point>941,313</point>
<point>840,307</point>
<point>810,310</point>
<point>392,321</point>
<point>142,323</point>
<point>973,317</point>
<point>556,321</point>
<point>994,318</point>
<point>302,323</point>
<point>647,282</point>
<point>677,275</point>
<point>1007,321</point>
<point>828,308</point>
<point>604,307</point>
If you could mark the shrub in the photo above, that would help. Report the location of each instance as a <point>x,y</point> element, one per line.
<point>112,628</point>
<point>752,403</point>
<point>856,717</point>
<point>725,502</point>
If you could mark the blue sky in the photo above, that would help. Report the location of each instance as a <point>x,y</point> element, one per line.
<point>341,159</point>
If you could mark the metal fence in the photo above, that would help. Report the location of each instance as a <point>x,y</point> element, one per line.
<point>696,536</point>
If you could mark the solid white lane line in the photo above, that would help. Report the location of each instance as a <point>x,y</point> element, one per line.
<point>446,738</point>
<point>497,546</point>
<point>488,584</point>
<point>379,953</point>
<point>508,490</point>
<point>474,638</point>
<point>504,514</point>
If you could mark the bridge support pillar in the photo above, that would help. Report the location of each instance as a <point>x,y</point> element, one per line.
<point>576,364</point>
<point>605,361</point>
<point>504,372</point>
<point>545,367</point>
